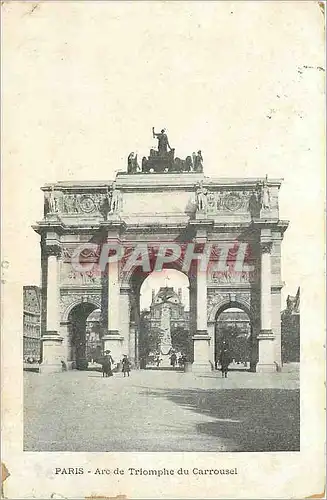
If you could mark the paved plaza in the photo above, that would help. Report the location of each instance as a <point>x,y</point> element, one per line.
<point>162,411</point>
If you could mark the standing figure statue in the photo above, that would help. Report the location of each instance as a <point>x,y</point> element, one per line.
<point>198,167</point>
<point>193,160</point>
<point>201,197</point>
<point>265,195</point>
<point>132,165</point>
<point>115,199</point>
<point>163,142</point>
<point>53,202</point>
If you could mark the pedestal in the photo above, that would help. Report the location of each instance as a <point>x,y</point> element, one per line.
<point>114,342</point>
<point>51,353</point>
<point>201,343</point>
<point>266,352</point>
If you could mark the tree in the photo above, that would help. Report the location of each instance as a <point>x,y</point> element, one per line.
<point>181,341</point>
<point>236,340</point>
<point>149,337</point>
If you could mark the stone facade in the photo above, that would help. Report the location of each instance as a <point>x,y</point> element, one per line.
<point>143,208</point>
<point>31,322</point>
<point>291,329</point>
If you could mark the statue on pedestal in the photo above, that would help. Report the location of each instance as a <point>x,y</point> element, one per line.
<point>132,164</point>
<point>165,343</point>
<point>162,160</point>
<point>52,202</point>
<point>201,197</point>
<point>198,162</point>
<point>265,195</point>
<point>163,142</point>
<point>114,198</point>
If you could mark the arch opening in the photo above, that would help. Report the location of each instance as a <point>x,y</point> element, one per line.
<point>79,334</point>
<point>234,331</point>
<point>164,340</point>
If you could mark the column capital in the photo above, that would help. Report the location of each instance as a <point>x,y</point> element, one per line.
<point>201,227</point>
<point>52,249</point>
<point>265,246</point>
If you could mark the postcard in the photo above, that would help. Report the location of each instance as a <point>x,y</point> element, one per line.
<point>163,241</point>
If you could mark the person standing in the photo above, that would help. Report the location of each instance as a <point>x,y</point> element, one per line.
<point>126,365</point>
<point>173,359</point>
<point>224,361</point>
<point>106,364</point>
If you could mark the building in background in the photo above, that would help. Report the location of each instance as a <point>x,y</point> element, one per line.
<point>290,318</point>
<point>93,337</point>
<point>151,322</point>
<point>167,295</point>
<point>31,323</point>
<point>233,329</point>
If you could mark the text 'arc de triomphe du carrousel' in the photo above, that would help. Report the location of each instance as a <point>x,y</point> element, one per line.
<point>100,240</point>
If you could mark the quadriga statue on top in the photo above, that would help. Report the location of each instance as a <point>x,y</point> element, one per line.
<point>163,159</point>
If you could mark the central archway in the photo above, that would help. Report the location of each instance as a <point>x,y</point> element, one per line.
<point>164,336</point>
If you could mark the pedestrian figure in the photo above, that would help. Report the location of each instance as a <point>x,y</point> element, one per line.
<point>224,361</point>
<point>106,364</point>
<point>173,359</point>
<point>126,365</point>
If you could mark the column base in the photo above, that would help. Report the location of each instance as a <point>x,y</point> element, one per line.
<point>266,355</point>
<point>271,368</point>
<point>113,342</point>
<point>47,368</point>
<point>201,342</point>
<point>51,353</point>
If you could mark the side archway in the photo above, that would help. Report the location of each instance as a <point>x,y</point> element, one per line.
<point>69,304</point>
<point>221,306</point>
<point>73,330</point>
<point>232,327</point>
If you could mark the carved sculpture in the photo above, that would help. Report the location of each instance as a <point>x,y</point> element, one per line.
<point>265,195</point>
<point>201,197</point>
<point>83,203</point>
<point>198,166</point>
<point>163,159</point>
<point>132,164</point>
<point>114,199</point>
<point>163,142</point>
<point>53,202</point>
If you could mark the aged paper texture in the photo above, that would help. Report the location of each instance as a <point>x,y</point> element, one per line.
<point>163,249</point>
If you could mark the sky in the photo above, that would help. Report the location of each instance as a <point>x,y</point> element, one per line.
<point>242,81</point>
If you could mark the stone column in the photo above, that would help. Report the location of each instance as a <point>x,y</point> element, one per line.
<point>113,340</point>
<point>266,362</point>
<point>67,348</point>
<point>51,340</point>
<point>124,310</point>
<point>192,318</point>
<point>201,340</point>
<point>132,345</point>
<point>211,333</point>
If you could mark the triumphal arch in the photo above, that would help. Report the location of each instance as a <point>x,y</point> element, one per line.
<point>100,240</point>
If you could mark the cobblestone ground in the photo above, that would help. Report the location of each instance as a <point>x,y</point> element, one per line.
<point>161,411</point>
